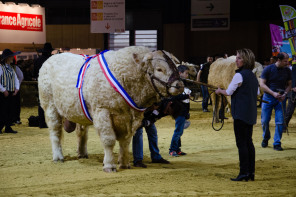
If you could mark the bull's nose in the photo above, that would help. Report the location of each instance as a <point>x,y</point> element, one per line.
<point>180,86</point>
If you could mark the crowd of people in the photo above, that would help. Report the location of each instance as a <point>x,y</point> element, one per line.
<point>275,81</point>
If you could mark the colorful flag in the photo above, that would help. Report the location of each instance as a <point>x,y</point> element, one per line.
<point>279,41</point>
<point>289,18</point>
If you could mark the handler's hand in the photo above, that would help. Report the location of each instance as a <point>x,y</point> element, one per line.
<point>276,95</point>
<point>218,91</point>
<point>282,97</point>
<point>6,94</point>
<point>294,89</point>
<point>15,92</point>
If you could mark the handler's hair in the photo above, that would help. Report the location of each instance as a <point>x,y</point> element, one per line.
<point>182,68</point>
<point>248,58</point>
<point>282,55</point>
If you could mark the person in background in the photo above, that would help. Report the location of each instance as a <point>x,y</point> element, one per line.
<point>9,87</point>
<point>46,53</point>
<point>180,121</point>
<point>276,82</point>
<point>291,99</point>
<point>266,62</point>
<point>243,90</point>
<point>273,60</point>
<point>17,110</point>
<point>202,76</point>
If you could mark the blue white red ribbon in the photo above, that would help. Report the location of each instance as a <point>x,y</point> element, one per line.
<point>79,84</point>
<point>115,84</point>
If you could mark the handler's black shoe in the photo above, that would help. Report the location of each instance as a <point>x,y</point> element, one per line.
<point>11,131</point>
<point>161,160</point>
<point>140,164</point>
<point>278,148</point>
<point>264,143</point>
<point>1,132</point>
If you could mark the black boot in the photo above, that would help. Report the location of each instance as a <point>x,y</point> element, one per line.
<point>252,176</point>
<point>241,177</point>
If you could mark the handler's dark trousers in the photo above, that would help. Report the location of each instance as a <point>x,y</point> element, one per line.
<point>6,111</point>
<point>246,150</point>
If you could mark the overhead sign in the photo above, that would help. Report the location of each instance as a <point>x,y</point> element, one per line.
<point>22,24</point>
<point>107,16</point>
<point>207,15</point>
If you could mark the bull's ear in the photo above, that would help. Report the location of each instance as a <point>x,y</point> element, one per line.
<point>175,59</point>
<point>136,59</point>
<point>142,63</point>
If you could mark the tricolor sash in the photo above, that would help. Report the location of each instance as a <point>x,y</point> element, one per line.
<point>115,84</point>
<point>79,84</point>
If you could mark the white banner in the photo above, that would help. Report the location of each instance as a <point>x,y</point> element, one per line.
<point>22,24</point>
<point>207,15</point>
<point>107,16</point>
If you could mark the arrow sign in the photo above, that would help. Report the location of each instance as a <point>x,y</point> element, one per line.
<point>107,26</point>
<point>211,7</point>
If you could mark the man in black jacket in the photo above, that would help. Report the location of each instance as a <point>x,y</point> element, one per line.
<point>46,53</point>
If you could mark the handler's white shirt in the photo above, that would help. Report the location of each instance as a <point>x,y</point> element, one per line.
<point>236,82</point>
<point>17,84</point>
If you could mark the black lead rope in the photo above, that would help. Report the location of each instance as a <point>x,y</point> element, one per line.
<point>221,113</point>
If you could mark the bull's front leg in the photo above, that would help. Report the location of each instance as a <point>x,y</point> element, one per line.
<point>82,136</point>
<point>102,123</point>
<point>124,153</point>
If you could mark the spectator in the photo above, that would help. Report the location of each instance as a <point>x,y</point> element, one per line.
<point>17,111</point>
<point>273,59</point>
<point>9,87</point>
<point>266,62</point>
<point>46,53</point>
<point>276,82</point>
<point>202,76</point>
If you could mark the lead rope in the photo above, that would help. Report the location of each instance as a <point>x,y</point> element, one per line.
<point>221,112</point>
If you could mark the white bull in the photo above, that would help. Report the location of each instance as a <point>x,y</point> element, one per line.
<point>144,75</point>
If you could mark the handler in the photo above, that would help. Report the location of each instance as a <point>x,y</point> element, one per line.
<point>274,79</point>
<point>151,115</point>
<point>244,90</point>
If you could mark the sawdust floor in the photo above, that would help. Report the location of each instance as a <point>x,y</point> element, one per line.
<point>26,167</point>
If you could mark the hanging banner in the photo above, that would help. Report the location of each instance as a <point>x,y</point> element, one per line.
<point>279,40</point>
<point>107,16</point>
<point>22,24</point>
<point>289,18</point>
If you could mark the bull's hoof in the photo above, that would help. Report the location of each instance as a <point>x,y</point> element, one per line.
<point>125,167</point>
<point>60,160</point>
<point>82,156</point>
<point>108,170</point>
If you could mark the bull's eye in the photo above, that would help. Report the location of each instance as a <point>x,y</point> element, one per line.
<point>159,70</point>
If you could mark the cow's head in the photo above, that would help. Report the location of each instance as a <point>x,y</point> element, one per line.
<point>162,71</point>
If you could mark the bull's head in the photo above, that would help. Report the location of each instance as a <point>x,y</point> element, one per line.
<point>162,71</point>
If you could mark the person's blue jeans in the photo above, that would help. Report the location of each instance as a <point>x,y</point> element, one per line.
<point>152,140</point>
<point>266,116</point>
<point>205,97</point>
<point>176,139</point>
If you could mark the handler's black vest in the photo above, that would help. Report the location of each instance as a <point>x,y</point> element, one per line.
<point>244,98</point>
